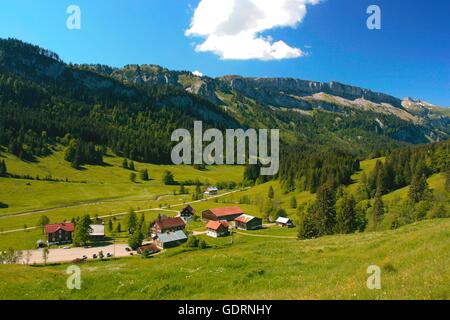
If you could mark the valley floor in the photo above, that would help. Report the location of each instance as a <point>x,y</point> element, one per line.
<point>413,260</point>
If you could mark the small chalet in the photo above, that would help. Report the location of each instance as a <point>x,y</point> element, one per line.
<point>284,222</point>
<point>211,191</point>
<point>59,233</point>
<point>170,239</point>
<point>187,213</point>
<point>169,225</point>
<point>150,248</point>
<point>219,214</point>
<point>246,222</point>
<point>97,232</point>
<point>217,229</point>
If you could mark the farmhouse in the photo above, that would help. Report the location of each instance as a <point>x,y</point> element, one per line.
<point>170,239</point>
<point>150,248</point>
<point>246,222</point>
<point>59,233</point>
<point>219,214</point>
<point>168,225</point>
<point>284,222</point>
<point>187,213</point>
<point>211,191</point>
<point>97,232</point>
<point>217,229</point>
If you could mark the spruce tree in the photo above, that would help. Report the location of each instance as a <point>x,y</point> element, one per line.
<point>419,189</point>
<point>293,202</point>
<point>144,175</point>
<point>131,221</point>
<point>378,209</point>
<point>3,169</point>
<point>325,214</point>
<point>346,215</point>
<point>125,164</point>
<point>271,193</point>
<point>132,168</point>
<point>82,231</point>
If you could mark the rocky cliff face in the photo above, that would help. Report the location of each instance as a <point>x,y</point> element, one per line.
<point>273,87</point>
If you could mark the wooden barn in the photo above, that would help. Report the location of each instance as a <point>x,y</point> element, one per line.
<point>246,222</point>
<point>169,225</point>
<point>284,222</point>
<point>150,248</point>
<point>219,214</point>
<point>217,229</point>
<point>59,233</point>
<point>187,213</point>
<point>170,239</point>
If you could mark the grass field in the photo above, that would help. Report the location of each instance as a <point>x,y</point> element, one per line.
<point>414,263</point>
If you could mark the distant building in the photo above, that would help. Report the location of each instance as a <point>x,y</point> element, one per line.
<point>211,191</point>
<point>217,229</point>
<point>284,222</point>
<point>246,222</point>
<point>218,214</point>
<point>171,239</point>
<point>59,233</point>
<point>151,248</point>
<point>187,213</point>
<point>97,232</point>
<point>169,225</point>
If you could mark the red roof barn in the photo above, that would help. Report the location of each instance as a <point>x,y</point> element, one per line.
<point>218,214</point>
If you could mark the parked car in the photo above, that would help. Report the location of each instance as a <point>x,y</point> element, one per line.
<point>128,249</point>
<point>94,256</point>
<point>108,255</point>
<point>67,248</point>
<point>85,257</point>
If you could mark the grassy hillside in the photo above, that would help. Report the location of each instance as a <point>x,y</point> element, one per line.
<point>414,262</point>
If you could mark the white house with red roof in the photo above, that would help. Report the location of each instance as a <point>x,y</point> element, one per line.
<point>217,229</point>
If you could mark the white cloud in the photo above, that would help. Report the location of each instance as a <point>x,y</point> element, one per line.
<point>197,73</point>
<point>232,28</point>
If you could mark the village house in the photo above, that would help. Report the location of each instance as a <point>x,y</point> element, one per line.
<point>150,248</point>
<point>168,225</point>
<point>211,191</point>
<point>97,232</point>
<point>284,222</point>
<point>59,233</point>
<point>170,239</point>
<point>246,222</point>
<point>217,229</point>
<point>219,214</point>
<point>187,213</point>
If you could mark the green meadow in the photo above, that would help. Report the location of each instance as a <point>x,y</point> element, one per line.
<point>413,261</point>
<point>265,264</point>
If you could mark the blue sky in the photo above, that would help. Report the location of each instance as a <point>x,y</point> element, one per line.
<point>409,56</point>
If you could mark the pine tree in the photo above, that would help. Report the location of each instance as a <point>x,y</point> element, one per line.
<point>3,169</point>
<point>132,168</point>
<point>144,175</point>
<point>135,240</point>
<point>293,202</point>
<point>378,209</point>
<point>110,225</point>
<point>125,164</point>
<point>82,231</point>
<point>346,215</point>
<point>419,189</point>
<point>133,177</point>
<point>325,214</point>
<point>119,228</point>
<point>271,193</point>
<point>131,222</point>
